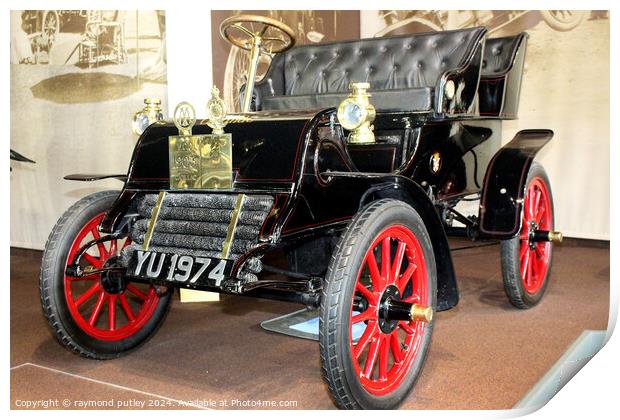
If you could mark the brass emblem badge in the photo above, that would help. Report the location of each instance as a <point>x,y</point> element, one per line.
<point>216,112</point>
<point>184,118</point>
<point>435,162</point>
<point>200,161</point>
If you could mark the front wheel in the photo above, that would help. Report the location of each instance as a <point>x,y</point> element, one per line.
<point>526,264</point>
<point>100,316</point>
<point>376,309</point>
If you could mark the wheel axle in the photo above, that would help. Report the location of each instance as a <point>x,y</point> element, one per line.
<point>546,236</point>
<point>398,310</point>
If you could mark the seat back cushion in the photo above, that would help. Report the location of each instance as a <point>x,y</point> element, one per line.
<point>499,54</point>
<point>411,61</point>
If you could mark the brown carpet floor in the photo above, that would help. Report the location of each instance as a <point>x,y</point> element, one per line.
<point>485,354</point>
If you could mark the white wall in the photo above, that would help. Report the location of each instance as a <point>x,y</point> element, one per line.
<point>189,58</point>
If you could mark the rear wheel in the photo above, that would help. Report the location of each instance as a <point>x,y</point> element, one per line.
<point>526,264</point>
<point>99,316</point>
<point>371,357</point>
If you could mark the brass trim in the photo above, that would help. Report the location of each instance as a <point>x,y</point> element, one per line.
<point>234,218</point>
<point>216,111</point>
<point>421,313</point>
<point>184,118</point>
<point>362,131</point>
<point>555,236</point>
<point>153,221</point>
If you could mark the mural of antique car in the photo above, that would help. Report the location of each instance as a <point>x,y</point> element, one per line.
<point>349,159</point>
<point>408,21</point>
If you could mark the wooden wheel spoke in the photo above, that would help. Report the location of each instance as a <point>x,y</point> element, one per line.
<point>534,266</point>
<point>530,203</point>
<point>398,262</point>
<point>102,251</point>
<point>126,307</point>
<point>384,352</point>
<point>89,277</point>
<point>133,289</point>
<point>404,279</point>
<point>367,315</point>
<point>373,352</point>
<point>364,339</point>
<point>525,263</point>
<point>386,250</point>
<point>414,298</point>
<point>96,262</point>
<point>367,294</point>
<point>97,309</point>
<point>112,312</point>
<point>375,276</point>
<point>405,327</point>
<point>88,294</point>
<point>528,269</point>
<point>539,215</point>
<point>540,254</point>
<point>537,196</point>
<point>395,346</point>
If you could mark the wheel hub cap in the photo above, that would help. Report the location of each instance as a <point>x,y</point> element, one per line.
<point>387,324</point>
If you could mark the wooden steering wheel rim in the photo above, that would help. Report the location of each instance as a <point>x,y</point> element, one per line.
<point>237,21</point>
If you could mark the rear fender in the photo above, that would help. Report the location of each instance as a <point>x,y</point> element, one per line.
<point>501,202</point>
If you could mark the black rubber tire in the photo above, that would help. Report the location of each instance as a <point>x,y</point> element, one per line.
<point>337,365</point>
<point>513,283</point>
<point>51,286</point>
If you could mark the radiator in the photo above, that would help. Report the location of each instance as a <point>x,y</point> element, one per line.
<point>197,224</point>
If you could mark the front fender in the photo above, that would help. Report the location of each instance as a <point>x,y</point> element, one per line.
<point>403,189</point>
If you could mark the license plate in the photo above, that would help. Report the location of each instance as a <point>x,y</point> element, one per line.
<point>184,270</point>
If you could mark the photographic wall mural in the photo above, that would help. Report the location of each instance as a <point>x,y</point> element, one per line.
<point>77,77</point>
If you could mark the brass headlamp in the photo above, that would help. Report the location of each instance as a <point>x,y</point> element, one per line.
<point>356,114</point>
<point>146,116</point>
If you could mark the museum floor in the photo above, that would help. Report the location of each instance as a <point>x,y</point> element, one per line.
<point>485,354</point>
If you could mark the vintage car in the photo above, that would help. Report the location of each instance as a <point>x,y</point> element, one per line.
<point>314,194</point>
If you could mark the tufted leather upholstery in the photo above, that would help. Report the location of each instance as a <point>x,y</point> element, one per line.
<point>404,72</point>
<point>499,54</point>
<point>501,74</point>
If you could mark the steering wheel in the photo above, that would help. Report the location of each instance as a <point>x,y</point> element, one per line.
<point>247,31</point>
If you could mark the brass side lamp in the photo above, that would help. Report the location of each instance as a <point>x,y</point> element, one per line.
<point>356,114</point>
<point>146,116</point>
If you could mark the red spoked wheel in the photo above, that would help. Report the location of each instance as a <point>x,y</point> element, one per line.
<point>526,260</point>
<point>376,310</point>
<point>105,308</point>
<point>385,351</point>
<point>535,257</point>
<point>101,315</point>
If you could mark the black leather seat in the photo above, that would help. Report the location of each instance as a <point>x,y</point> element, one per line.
<point>405,73</point>
<point>501,74</point>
